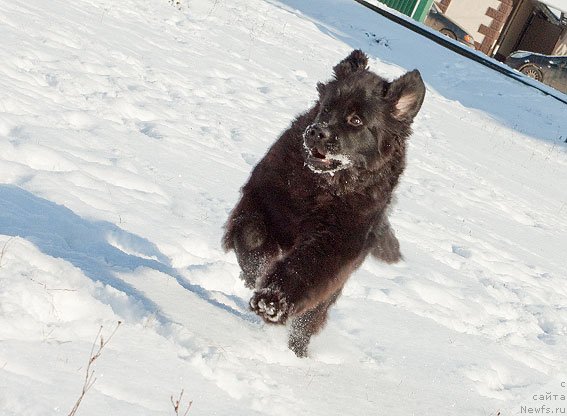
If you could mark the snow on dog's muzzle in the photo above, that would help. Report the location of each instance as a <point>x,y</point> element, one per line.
<point>317,157</point>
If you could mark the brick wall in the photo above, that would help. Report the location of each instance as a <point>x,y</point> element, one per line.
<point>443,4</point>
<point>492,31</point>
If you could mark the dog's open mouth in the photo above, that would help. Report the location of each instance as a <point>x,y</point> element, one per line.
<point>319,162</point>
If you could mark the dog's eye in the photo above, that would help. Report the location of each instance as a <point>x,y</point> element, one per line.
<point>326,109</point>
<point>354,120</point>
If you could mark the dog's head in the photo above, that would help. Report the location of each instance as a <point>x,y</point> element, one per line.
<point>361,117</point>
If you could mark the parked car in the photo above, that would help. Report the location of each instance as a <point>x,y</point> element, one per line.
<point>549,69</point>
<point>438,21</point>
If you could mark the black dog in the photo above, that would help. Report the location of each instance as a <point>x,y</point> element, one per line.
<point>317,203</point>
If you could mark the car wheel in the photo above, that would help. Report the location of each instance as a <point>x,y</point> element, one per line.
<point>447,32</point>
<point>532,71</point>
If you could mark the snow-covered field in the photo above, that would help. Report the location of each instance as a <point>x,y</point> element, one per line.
<point>126,130</point>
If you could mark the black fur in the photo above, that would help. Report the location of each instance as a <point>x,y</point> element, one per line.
<point>317,203</point>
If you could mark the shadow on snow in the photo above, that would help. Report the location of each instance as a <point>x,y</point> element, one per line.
<point>59,232</point>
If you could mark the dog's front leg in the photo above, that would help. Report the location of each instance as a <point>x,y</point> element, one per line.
<point>308,275</point>
<point>384,244</point>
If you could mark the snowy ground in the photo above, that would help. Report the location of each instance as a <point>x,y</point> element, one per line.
<point>126,130</point>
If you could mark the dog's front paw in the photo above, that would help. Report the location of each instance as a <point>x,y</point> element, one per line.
<point>271,305</point>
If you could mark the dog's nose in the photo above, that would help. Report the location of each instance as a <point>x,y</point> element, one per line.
<point>317,134</point>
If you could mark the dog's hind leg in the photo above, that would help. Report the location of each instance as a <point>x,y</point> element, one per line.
<point>254,249</point>
<point>384,244</point>
<point>247,234</point>
<point>303,327</point>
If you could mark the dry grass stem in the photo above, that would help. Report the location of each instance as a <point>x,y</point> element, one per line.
<point>177,403</point>
<point>90,379</point>
<point>4,250</point>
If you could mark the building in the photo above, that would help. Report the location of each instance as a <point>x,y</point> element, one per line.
<point>537,26</point>
<point>503,26</point>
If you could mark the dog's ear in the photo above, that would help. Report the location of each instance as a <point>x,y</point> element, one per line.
<point>356,61</point>
<point>406,95</point>
<point>321,88</point>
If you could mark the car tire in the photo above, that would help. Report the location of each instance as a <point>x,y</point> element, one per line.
<point>447,32</point>
<point>532,71</point>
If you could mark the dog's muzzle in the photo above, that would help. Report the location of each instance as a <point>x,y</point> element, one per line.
<point>317,156</point>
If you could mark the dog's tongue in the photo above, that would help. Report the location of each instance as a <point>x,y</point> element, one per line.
<point>316,153</point>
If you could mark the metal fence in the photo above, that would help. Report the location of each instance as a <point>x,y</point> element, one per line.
<point>416,9</point>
